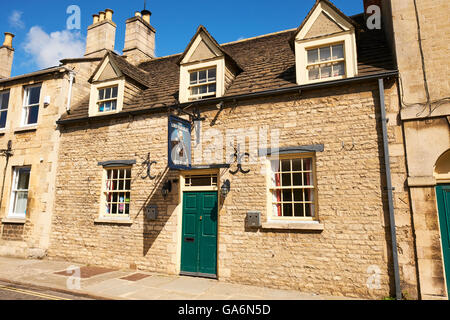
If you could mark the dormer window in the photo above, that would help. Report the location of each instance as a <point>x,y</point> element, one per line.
<point>107,99</point>
<point>325,45</point>
<point>202,84</point>
<point>326,62</point>
<point>206,69</point>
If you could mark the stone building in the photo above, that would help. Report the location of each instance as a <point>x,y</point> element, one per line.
<point>265,161</point>
<point>30,105</point>
<point>421,33</point>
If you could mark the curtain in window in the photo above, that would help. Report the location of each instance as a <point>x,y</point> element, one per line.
<point>276,182</point>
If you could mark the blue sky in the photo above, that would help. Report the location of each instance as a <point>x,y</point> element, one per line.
<point>41,35</point>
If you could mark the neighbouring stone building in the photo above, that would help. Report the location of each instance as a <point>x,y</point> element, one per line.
<point>287,186</point>
<point>421,30</point>
<point>30,105</point>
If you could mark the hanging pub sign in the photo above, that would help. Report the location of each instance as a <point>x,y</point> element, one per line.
<point>179,148</point>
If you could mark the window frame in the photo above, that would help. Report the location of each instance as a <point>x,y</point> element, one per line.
<point>331,61</point>
<point>271,188</point>
<point>100,101</point>
<point>94,96</point>
<point>26,107</point>
<point>15,190</point>
<point>105,191</point>
<point>3,92</point>
<point>201,96</point>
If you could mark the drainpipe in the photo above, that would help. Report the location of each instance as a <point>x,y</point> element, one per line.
<point>69,98</point>
<point>398,291</point>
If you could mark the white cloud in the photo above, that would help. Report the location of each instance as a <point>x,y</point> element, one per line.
<point>47,49</point>
<point>15,20</point>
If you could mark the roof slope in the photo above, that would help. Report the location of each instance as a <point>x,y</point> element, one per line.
<point>268,62</point>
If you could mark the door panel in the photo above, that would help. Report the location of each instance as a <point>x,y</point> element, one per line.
<point>199,241</point>
<point>443,200</point>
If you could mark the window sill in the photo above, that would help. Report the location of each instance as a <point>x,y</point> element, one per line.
<point>26,129</point>
<point>113,221</point>
<point>14,220</point>
<point>305,226</point>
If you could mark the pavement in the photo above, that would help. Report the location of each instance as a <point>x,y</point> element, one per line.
<point>102,283</point>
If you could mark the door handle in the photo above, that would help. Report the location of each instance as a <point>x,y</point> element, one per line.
<point>201,218</point>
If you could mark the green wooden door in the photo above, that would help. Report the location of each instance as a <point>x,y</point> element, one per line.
<point>443,200</point>
<point>199,235</point>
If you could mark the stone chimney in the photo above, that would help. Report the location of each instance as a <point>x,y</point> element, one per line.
<point>139,38</point>
<point>6,56</point>
<point>101,34</point>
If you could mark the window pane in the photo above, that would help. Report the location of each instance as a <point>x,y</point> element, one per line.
<point>326,72</point>
<point>307,179</point>
<point>309,195</point>
<point>3,119</point>
<point>296,165</point>
<point>20,202</point>
<point>212,75</point>
<point>285,165</point>
<point>108,93</point>
<point>286,180</point>
<point>313,73</point>
<point>325,53</point>
<point>101,107</point>
<point>287,210</point>
<point>101,94</point>
<point>193,77</point>
<point>297,177</point>
<point>194,91</point>
<point>307,164</point>
<point>309,210</point>
<point>203,89</point>
<point>298,210</point>
<point>4,101</point>
<point>338,69</point>
<point>108,106</point>
<point>128,173</point>
<point>313,56</point>
<point>34,95</point>
<point>33,114</point>
<point>212,88</point>
<point>113,105</point>
<point>298,195</point>
<point>114,92</point>
<point>23,179</point>
<point>287,195</point>
<point>202,76</point>
<point>338,51</point>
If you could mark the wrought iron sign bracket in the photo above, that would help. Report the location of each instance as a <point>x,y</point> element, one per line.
<point>149,164</point>
<point>238,156</point>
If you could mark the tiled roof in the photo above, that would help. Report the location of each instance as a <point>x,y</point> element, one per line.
<point>268,62</point>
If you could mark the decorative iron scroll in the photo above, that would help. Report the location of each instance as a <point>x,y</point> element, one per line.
<point>149,164</point>
<point>238,156</point>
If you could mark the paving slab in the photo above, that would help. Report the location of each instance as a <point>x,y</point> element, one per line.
<point>189,285</point>
<point>155,281</point>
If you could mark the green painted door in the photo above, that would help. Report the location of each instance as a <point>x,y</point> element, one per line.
<point>443,200</point>
<point>199,235</point>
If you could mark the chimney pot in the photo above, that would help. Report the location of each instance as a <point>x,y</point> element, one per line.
<point>146,15</point>
<point>95,18</point>
<point>102,15</point>
<point>8,40</point>
<point>137,14</point>
<point>109,14</point>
